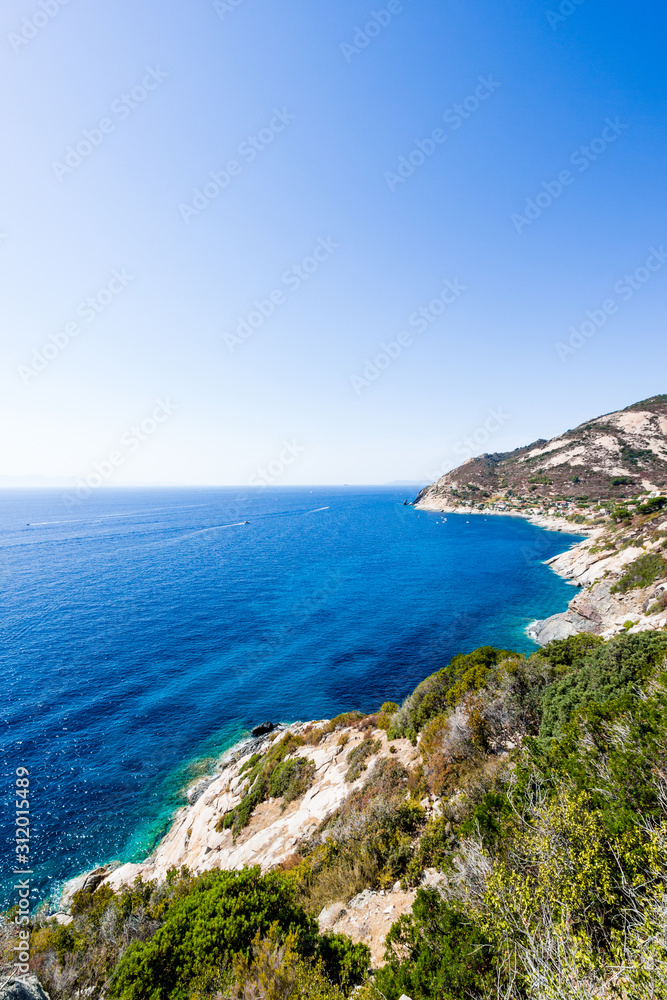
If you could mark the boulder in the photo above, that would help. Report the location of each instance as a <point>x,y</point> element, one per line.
<point>263,729</point>
<point>555,627</point>
<point>330,915</point>
<point>88,882</point>
<point>23,989</point>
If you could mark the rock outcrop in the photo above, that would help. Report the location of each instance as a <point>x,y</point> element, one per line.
<point>582,481</point>
<point>597,608</point>
<point>275,829</point>
<point>617,455</point>
<point>23,989</point>
<point>369,916</point>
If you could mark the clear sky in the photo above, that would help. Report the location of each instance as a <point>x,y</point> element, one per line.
<point>498,165</point>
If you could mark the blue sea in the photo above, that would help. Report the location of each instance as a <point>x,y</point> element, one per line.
<point>145,630</point>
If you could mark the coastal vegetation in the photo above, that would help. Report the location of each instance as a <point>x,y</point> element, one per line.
<point>274,774</point>
<point>538,804</point>
<point>607,459</point>
<point>357,758</point>
<point>641,573</point>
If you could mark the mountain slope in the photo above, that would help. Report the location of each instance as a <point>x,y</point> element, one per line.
<point>618,455</point>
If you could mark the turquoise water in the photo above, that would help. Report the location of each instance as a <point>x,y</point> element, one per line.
<point>145,630</point>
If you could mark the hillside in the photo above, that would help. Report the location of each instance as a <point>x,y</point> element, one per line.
<point>502,833</point>
<point>616,456</point>
<point>619,462</point>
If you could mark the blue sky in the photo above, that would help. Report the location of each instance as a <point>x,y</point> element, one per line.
<point>454,191</point>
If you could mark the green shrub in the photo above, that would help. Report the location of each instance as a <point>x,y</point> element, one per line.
<point>345,963</point>
<point>357,758</point>
<point>465,672</point>
<point>294,780</point>
<point>660,605</point>
<point>641,573</point>
<point>276,971</point>
<point>91,903</point>
<point>564,652</point>
<point>291,779</point>
<point>203,932</point>
<point>652,506</point>
<point>435,953</point>
<point>607,671</point>
<point>631,455</point>
<point>367,842</point>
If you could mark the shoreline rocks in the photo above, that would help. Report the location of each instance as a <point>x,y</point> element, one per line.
<point>275,829</point>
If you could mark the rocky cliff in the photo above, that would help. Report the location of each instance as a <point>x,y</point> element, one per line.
<point>622,570</point>
<point>614,456</point>
<point>605,479</point>
<point>276,827</point>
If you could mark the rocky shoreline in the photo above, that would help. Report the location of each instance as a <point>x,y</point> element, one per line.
<point>275,830</point>
<point>595,609</point>
<point>197,837</point>
<point>588,565</point>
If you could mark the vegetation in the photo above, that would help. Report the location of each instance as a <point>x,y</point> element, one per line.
<point>550,840</point>
<point>557,884</point>
<point>357,758</point>
<point>641,573</point>
<point>214,935</point>
<point>605,672</point>
<point>367,843</point>
<point>271,775</point>
<point>652,506</point>
<point>659,605</point>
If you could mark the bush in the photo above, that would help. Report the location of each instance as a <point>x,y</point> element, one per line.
<point>357,758</point>
<point>345,963</point>
<point>660,605</point>
<point>436,694</point>
<point>206,930</point>
<point>276,971</point>
<point>608,671</point>
<point>291,779</point>
<point>436,953</point>
<point>563,652</point>
<point>367,842</point>
<point>641,573</point>
<point>652,506</point>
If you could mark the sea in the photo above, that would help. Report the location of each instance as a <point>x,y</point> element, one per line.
<point>145,631</point>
